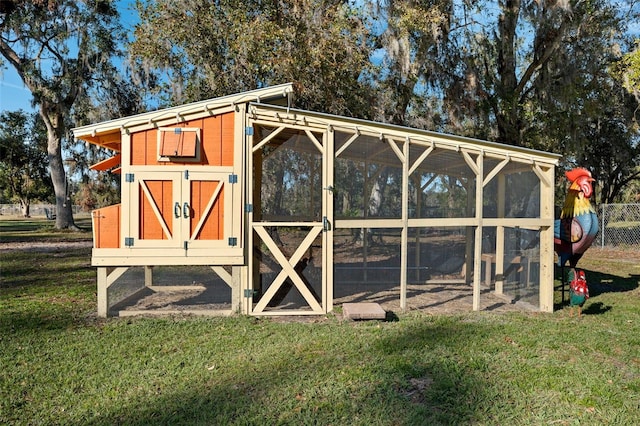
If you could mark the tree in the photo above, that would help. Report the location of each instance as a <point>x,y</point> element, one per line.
<point>23,159</point>
<point>611,149</point>
<point>412,69</point>
<point>208,49</point>
<point>60,49</point>
<point>528,73</point>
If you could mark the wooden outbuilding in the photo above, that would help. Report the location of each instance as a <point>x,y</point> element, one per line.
<point>292,212</point>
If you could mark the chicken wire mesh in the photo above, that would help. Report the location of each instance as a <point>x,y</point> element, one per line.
<point>619,225</point>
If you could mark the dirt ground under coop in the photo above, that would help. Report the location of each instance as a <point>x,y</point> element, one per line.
<point>431,298</point>
<point>202,290</point>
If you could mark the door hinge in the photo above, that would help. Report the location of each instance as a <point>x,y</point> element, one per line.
<point>233,241</point>
<point>233,178</point>
<point>128,177</point>
<point>186,245</point>
<point>326,225</point>
<point>248,293</point>
<point>128,241</point>
<point>248,208</point>
<point>186,175</point>
<point>248,130</point>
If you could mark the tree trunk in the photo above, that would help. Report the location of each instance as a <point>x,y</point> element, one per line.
<point>507,111</point>
<point>25,207</point>
<point>64,212</point>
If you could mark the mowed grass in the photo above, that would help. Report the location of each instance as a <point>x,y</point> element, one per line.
<point>59,364</point>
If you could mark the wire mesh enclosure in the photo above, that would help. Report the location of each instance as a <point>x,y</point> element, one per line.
<point>170,289</point>
<point>433,190</point>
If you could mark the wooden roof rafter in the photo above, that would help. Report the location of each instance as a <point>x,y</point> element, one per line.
<point>417,136</point>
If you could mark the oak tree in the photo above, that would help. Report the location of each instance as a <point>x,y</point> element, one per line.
<point>59,48</point>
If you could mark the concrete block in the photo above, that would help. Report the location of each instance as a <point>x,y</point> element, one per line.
<point>363,311</point>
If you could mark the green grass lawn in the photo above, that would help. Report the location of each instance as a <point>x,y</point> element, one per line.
<point>59,364</point>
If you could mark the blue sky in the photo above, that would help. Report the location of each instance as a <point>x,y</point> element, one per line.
<point>14,95</point>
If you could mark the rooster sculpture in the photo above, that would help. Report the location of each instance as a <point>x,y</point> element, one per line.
<point>578,290</point>
<point>574,233</point>
<point>578,224</point>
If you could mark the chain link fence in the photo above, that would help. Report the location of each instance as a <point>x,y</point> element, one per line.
<point>34,209</point>
<point>619,226</point>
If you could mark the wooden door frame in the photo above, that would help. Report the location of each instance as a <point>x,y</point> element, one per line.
<point>323,227</point>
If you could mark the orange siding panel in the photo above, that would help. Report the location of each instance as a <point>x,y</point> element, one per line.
<point>107,227</point>
<point>196,205</point>
<point>144,148</point>
<point>217,144</point>
<point>227,141</point>
<point>211,140</point>
<point>217,215</point>
<point>138,148</point>
<point>151,145</point>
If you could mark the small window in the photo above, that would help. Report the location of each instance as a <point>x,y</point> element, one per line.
<point>178,144</point>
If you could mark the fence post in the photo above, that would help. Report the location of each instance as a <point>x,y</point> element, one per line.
<point>602,226</point>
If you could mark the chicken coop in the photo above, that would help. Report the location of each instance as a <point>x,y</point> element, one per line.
<point>243,204</point>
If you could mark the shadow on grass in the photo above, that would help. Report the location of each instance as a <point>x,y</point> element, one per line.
<point>44,290</point>
<point>392,383</point>
<point>33,272</point>
<point>599,283</point>
<point>597,308</point>
<point>41,318</point>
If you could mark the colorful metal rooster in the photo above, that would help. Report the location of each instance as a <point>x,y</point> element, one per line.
<point>578,224</point>
<point>578,290</point>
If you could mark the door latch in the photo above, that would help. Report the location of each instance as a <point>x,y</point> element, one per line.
<point>326,225</point>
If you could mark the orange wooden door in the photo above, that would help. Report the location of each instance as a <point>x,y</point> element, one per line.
<point>208,197</point>
<point>157,210</point>
<point>182,209</point>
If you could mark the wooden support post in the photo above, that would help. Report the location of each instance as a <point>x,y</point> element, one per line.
<point>253,188</point>
<point>327,238</point>
<point>500,236</point>
<point>404,239</point>
<point>103,296</point>
<point>477,261</point>
<point>546,240</point>
<point>418,260</point>
<point>148,276</point>
<point>106,277</point>
<point>468,247</point>
<point>238,281</point>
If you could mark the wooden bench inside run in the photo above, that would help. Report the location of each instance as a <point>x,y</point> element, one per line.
<point>522,262</point>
